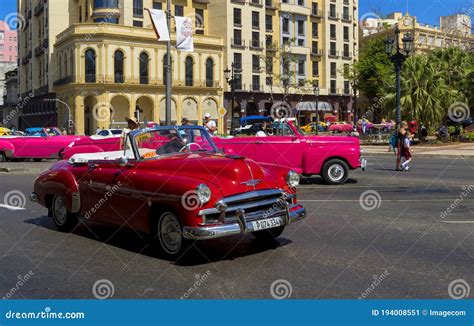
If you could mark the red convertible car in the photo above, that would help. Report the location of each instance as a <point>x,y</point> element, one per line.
<point>174,184</point>
<point>48,146</point>
<point>328,156</point>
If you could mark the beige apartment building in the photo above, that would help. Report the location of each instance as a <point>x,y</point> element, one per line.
<point>322,37</point>
<point>102,55</point>
<point>454,30</point>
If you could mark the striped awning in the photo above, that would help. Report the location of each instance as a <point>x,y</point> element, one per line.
<point>311,106</point>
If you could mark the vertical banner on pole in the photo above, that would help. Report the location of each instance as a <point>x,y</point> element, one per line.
<point>158,18</point>
<point>184,34</point>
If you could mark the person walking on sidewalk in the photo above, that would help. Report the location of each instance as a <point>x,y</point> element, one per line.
<point>406,155</point>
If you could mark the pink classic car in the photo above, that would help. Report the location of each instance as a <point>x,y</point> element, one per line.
<point>341,127</point>
<point>92,144</point>
<point>331,157</point>
<point>49,146</point>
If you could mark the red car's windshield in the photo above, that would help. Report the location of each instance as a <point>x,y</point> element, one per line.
<point>173,142</point>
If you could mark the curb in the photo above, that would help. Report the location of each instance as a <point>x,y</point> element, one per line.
<point>424,155</point>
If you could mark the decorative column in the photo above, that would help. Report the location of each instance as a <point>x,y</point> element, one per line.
<point>79,114</point>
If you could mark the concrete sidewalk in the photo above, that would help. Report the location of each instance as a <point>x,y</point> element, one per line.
<point>457,150</point>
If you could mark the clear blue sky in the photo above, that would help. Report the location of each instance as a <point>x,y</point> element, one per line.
<point>426,11</point>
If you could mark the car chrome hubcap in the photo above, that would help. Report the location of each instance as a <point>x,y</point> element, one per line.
<point>170,233</point>
<point>336,172</point>
<point>60,211</point>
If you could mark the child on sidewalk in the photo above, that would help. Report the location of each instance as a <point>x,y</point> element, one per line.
<point>406,152</point>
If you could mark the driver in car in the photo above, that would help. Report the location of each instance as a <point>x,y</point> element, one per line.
<point>175,145</point>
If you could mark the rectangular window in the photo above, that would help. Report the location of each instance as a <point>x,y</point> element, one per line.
<point>255,19</point>
<point>255,39</point>
<point>315,29</point>
<point>345,13</point>
<point>286,25</point>
<point>301,67</point>
<point>138,23</point>
<point>333,69</point>
<point>314,8</point>
<point>256,83</point>
<point>199,21</point>
<point>346,33</point>
<point>332,49</point>
<point>315,68</point>
<point>237,17</point>
<point>332,31</point>
<point>314,47</point>
<point>301,30</point>
<point>346,87</point>
<point>346,51</point>
<point>333,87</point>
<point>268,23</point>
<point>237,37</point>
<point>269,41</point>
<point>332,10</point>
<point>138,8</point>
<point>238,60</point>
<point>255,63</point>
<point>157,5</point>
<point>178,11</point>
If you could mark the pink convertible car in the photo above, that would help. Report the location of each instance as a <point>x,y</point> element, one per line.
<point>48,146</point>
<point>331,157</point>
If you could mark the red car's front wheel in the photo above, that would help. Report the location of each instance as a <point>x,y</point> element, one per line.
<point>169,235</point>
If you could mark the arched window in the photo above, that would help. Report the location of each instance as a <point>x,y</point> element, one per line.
<point>90,66</point>
<point>118,66</point>
<point>164,70</point>
<point>209,72</point>
<point>189,71</point>
<point>144,68</point>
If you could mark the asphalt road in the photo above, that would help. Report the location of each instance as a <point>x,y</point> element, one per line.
<point>393,244</point>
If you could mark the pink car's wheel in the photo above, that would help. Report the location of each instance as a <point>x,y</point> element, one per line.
<point>335,172</point>
<point>62,218</point>
<point>3,157</point>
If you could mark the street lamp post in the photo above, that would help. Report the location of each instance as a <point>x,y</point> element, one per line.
<point>229,75</point>
<point>398,58</point>
<point>70,126</point>
<point>316,100</point>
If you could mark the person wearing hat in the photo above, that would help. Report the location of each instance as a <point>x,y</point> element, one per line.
<point>185,122</point>
<point>209,124</point>
<point>132,124</point>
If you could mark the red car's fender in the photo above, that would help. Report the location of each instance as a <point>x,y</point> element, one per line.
<point>58,181</point>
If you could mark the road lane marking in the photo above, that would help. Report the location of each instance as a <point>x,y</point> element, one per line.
<point>383,200</point>
<point>13,208</point>
<point>458,222</point>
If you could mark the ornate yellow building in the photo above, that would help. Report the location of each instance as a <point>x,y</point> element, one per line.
<point>106,64</point>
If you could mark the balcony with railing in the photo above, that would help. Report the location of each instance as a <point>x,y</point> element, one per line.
<point>256,45</point>
<point>333,15</point>
<point>316,13</point>
<point>270,4</point>
<point>333,53</point>
<point>256,3</point>
<point>315,52</point>
<point>237,42</point>
<point>63,81</point>
<point>347,18</point>
<point>347,55</point>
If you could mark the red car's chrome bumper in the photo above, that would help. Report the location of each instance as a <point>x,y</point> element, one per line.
<point>244,224</point>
